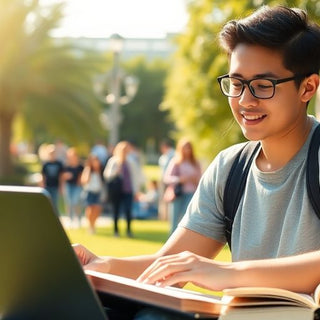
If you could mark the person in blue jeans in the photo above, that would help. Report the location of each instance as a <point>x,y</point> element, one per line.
<point>183,168</point>
<point>147,204</point>
<point>92,183</point>
<point>72,185</point>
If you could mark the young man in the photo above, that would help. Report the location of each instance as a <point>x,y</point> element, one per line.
<point>274,58</point>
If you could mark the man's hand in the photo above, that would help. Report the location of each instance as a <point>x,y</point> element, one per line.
<point>187,267</point>
<point>89,260</point>
<point>84,255</point>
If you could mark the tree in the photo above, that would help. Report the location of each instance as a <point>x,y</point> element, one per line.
<point>44,83</point>
<point>193,97</point>
<point>143,121</point>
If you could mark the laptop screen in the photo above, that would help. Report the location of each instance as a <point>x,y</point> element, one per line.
<point>40,275</point>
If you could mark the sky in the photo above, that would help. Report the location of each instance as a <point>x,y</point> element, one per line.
<point>129,18</point>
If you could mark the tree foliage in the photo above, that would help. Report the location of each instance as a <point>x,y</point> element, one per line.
<point>193,98</point>
<point>45,85</point>
<point>143,121</point>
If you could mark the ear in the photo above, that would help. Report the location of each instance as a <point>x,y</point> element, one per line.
<point>308,87</point>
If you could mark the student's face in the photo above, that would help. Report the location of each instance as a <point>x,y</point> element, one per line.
<point>272,118</point>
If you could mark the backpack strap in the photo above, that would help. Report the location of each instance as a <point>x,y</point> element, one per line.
<point>312,177</point>
<point>237,178</point>
<point>236,183</point>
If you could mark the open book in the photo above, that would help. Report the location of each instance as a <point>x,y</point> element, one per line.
<point>197,303</point>
<point>280,296</point>
<point>285,304</point>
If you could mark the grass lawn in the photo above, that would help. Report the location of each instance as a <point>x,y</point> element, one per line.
<point>149,236</point>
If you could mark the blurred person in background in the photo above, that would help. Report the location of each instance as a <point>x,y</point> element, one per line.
<point>52,170</point>
<point>101,151</point>
<point>72,186</point>
<point>93,186</point>
<point>148,201</point>
<point>123,178</point>
<point>61,151</point>
<point>183,169</point>
<point>167,153</point>
<point>135,154</point>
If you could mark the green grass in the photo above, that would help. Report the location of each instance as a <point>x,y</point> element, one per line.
<point>149,236</point>
<point>152,172</point>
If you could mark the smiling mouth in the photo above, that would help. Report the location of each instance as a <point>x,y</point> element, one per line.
<point>253,117</point>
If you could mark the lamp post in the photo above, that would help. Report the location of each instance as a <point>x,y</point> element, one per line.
<point>116,43</point>
<point>108,89</point>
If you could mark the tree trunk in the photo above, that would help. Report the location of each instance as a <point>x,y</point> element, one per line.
<point>6,167</point>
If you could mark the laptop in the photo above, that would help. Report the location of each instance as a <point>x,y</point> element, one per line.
<point>40,275</point>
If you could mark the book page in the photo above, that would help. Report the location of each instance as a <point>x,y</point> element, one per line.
<point>317,295</point>
<point>169,291</point>
<point>268,313</point>
<point>168,297</point>
<point>298,299</point>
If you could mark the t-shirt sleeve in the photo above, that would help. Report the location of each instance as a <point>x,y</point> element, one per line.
<point>205,214</point>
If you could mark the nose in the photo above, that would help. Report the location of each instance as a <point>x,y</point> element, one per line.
<point>247,99</point>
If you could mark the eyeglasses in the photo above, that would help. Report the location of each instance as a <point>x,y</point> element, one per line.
<point>260,88</point>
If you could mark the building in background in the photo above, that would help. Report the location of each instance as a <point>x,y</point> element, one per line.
<point>149,47</point>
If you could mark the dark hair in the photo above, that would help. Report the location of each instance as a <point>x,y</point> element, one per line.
<point>285,29</point>
<point>167,142</point>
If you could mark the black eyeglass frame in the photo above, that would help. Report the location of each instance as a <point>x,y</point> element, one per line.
<point>247,82</point>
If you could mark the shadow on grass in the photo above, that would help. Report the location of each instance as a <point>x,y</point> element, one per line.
<point>146,230</point>
<point>152,235</point>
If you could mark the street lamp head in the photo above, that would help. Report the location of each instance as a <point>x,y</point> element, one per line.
<point>116,43</point>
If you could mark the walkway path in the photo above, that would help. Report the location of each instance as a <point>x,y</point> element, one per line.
<point>102,221</point>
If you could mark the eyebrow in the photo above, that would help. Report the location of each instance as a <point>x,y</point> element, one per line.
<point>259,75</point>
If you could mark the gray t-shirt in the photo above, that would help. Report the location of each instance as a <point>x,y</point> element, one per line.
<point>274,218</point>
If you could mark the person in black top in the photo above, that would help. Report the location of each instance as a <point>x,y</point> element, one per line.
<point>51,175</point>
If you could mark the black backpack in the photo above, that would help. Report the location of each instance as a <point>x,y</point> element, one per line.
<point>237,179</point>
